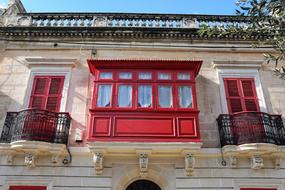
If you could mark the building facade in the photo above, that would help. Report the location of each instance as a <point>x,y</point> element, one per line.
<point>110,101</point>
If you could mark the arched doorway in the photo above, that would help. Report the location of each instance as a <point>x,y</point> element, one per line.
<point>143,185</point>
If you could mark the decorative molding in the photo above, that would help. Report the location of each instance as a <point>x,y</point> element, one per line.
<point>30,160</point>
<point>233,161</point>
<point>100,21</point>
<point>143,164</point>
<point>256,162</point>
<point>189,164</point>
<point>252,64</point>
<point>258,183</point>
<point>31,62</point>
<point>98,161</point>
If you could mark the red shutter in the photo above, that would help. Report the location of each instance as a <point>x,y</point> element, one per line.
<point>27,188</point>
<point>250,98</point>
<point>233,95</point>
<point>38,96</point>
<point>241,95</point>
<point>47,92</point>
<point>54,96</point>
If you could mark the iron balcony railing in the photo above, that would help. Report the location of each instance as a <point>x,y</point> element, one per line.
<point>36,125</point>
<point>251,127</point>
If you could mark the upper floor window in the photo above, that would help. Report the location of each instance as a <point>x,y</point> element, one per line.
<point>241,94</point>
<point>47,92</point>
<point>147,89</point>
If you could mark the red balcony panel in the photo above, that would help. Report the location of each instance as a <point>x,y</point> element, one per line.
<point>101,126</point>
<point>142,126</point>
<point>27,188</point>
<point>187,127</point>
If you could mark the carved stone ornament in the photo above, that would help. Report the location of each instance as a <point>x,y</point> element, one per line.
<point>99,21</point>
<point>10,158</point>
<point>278,162</point>
<point>143,163</point>
<point>189,23</point>
<point>256,162</point>
<point>98,161</point>
<point>30,160</point>
<point>233,161</point>
<point>24,21</point>
<point>189,164</point>
<point>55,159</point>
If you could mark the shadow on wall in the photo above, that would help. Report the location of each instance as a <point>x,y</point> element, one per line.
<point>209,104</point>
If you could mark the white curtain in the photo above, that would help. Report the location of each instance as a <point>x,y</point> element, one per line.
<point>104,95</point>
<point>185,96</point>
<point>125,75</point>
<point>183,76</point>
<point>106,75</point>
<point>165,96</point>
<point>144,96</point>
<point>145,76</point>
<point>125,96</point>
<point>164,76</point>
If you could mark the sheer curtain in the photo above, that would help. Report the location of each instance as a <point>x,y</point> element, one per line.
<point>144,96</point>
<point>125,96</point>
<point>106,75</point>
<point>185,96</point>
<point>183,76</point>
<point>164,76</point>
<point>104,95</point>
<point>165,96</point>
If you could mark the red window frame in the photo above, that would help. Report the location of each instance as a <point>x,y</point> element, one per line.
<point>27,188</point>
<point>135,82</point>
<point>241,96</point>
<point>46,92</point>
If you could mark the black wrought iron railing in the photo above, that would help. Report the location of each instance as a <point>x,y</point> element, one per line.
<point>36,125</point>
<point>251,127</point>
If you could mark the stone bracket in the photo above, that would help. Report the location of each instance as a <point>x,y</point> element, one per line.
<point>143,164</point>
<point>98,159</point>
<point>256,162</point>
<point>189,164</point>
<point>30,159</point>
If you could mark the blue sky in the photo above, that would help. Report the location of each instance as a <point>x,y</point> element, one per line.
<point>147,6</point>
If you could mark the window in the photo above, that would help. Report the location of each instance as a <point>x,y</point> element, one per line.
<point>185,96</point>
<point>47,92</point>
<point>104,95</point>
<point>241,95</point>
<point>106,75</point>
<point>125,95</point>
<point>140,90</point>
<point>183,76</point>
<point>27,188</point>
<point>144,96</point>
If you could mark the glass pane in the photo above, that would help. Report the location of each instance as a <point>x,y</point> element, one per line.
<point>125,75</point>
<point>185,97</point>
<point>183,76</point>
<point>125,96</point>
<point>104,95</point>
<point>145,76</point>
<point>164,76</point>
<point>165,96</point>
<point>106,75</point>
<point>144,96</point>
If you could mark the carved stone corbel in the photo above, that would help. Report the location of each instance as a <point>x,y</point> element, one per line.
<point>98,161</point>
<point>277,162</point>
<point>256,162</point>
<point>233,161</point>
<point>189,164</point>
<point>55,158</point>
<point>10,159</point>
<point>30,160</point>
<point>143,163</point>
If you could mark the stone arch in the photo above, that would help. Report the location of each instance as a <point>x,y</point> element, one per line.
<point>146,184</point>
<point>155,175</point>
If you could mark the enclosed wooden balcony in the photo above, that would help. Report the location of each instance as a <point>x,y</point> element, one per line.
<point>36,125</point>
<point>251,127</point>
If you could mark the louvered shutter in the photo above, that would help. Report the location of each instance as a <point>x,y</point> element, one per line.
<point>241,95</point>
<point>38,96</point>
<point>47,92</point>
<point>54,94</point>
<point>233,96</point>
<point>250,99</point>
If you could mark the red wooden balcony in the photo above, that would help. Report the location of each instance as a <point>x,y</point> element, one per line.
<point>144,126</point>
<point>251,127</point>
